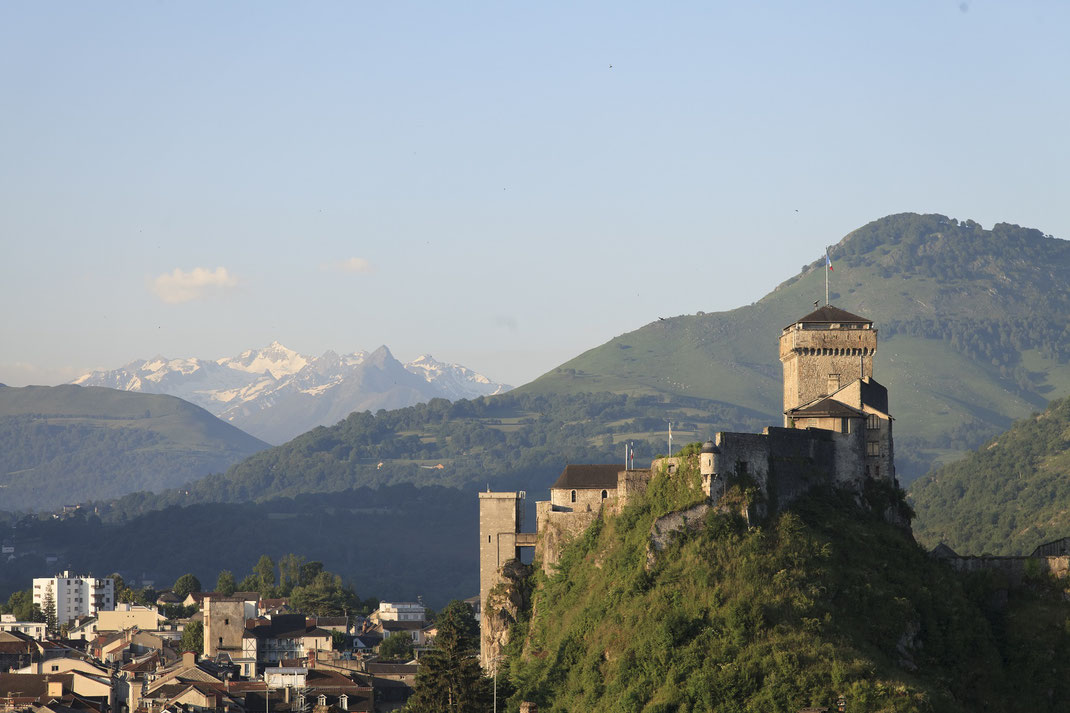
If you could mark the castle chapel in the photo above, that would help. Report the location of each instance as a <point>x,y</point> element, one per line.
<point>837,431</point>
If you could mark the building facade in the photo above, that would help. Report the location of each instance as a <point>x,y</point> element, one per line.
<point>74,595</point>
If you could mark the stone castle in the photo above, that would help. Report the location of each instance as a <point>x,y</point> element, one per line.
<point>837,431</point>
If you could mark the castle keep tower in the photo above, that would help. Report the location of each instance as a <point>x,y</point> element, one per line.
<point>822,352</point>
<point>501,517</point>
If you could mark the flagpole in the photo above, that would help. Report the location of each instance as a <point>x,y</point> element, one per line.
<point>826,276</point>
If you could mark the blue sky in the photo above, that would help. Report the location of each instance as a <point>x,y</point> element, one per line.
<point>500,184</point>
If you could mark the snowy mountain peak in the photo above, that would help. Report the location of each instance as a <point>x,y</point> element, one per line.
<point>454,378</point>
<point>275,393</point>
<point>274,359</point>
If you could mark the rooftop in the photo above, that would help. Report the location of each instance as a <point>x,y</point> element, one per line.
<point>592,477</point>
<point>830,314</point>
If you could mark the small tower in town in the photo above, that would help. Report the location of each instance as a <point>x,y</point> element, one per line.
<point>822,352</point>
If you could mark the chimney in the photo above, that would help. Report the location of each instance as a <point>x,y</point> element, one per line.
<point>55,689</point>
<point>189,658</point>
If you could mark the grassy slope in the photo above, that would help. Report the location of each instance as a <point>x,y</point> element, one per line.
<point>1007,497</point>
<point>937,390</point>
<point>823,601</point>
<point>67,444</point>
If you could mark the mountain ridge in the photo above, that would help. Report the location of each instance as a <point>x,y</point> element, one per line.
<point>275,393</point>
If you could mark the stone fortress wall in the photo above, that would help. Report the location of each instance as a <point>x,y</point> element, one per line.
<point>837,432</point>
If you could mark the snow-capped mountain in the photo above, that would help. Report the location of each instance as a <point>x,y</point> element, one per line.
<point>275,393</point>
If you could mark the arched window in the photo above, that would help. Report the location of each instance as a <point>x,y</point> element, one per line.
<point>604,495</point>
<point>573,496</point>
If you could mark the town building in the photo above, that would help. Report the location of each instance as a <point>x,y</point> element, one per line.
<point>34,629</point>
<point>400,611</point>
<point>74,595</point>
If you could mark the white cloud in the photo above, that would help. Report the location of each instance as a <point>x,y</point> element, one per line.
<point>179,286</point>
<point>352,265</point>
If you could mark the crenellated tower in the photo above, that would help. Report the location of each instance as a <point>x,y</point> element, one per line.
<point>822,352</point>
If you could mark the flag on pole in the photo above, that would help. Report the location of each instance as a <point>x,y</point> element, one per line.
<point>828,260</point>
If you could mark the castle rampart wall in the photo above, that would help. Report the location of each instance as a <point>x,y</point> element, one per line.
<point>1016,568</point>
<point>555,529</point>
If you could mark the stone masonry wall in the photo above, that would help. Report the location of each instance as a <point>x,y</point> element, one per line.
<point>809,356</point>
<point>556,529</point>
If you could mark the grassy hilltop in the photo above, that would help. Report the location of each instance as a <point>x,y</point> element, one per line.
<point>821,601</point>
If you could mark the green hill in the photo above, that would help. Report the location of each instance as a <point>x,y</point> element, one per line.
<point>974,327</point>
<point>822,601</point>
<point>509,441</point>
<point>1008,496</point>
<point>67,444</point>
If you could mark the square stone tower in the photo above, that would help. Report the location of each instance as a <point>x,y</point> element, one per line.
<point>824,351</point>
<point>501,516</point>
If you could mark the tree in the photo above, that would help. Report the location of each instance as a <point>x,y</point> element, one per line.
<point>324,596</point>
<point>21,605</point>
<point>396,647</point>
<point>225,584</point>
<point>123,593</point>
<point>186,585</point>
<point>48,608</point>
<point>289,573</point>
<point>148,596</point>
<point>309,571</point>
<point>265,572</point>
<point>193,637</point>
<point>451,679</point>
<point>249,583</point>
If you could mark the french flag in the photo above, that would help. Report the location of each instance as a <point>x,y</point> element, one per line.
<point>828,261</point>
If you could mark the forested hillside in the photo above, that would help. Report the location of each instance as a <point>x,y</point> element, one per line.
<point>394,542</point>
<point>821,601</point>
<point>1005,498</point>
<point>974,327</point>
<point>68,444</point>
<point>506,441</point>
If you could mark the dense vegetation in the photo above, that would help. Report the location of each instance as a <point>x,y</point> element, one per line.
<point>68,444</point>
<point>1007,497</point>
<point>821,601</point>
<point>450,678</point>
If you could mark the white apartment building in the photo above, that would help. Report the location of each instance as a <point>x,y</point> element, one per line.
<point>401,611</point>
<point>30,628</point>
<point>75,595</point>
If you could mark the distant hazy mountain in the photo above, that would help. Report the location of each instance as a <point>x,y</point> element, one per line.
<point>275,393</point>
<point>67,444</point>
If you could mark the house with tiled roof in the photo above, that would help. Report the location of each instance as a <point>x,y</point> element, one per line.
<point>283,636</point>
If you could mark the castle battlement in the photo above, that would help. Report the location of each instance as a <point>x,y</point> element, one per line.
<point>837,432</point>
